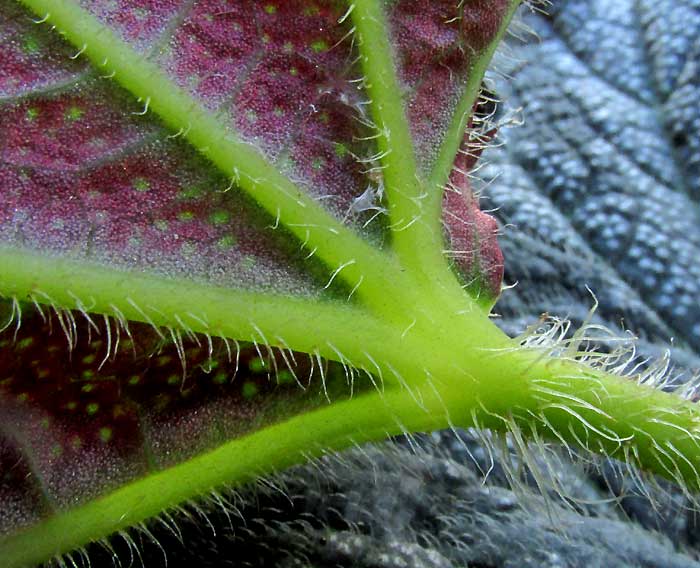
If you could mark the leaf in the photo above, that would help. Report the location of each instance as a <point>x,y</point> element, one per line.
<point>219,174</point>
<point>471,233</point>
<point>552,264</point>
<point>262,204</point>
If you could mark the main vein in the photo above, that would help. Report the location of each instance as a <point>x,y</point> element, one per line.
<point>403,187</point>
<point>256,317</point>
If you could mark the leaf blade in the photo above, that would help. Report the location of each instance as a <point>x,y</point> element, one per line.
<point>270,317</point>
<point>250,170</point>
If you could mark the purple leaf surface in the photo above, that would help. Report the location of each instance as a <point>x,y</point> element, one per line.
<point>88,174</point>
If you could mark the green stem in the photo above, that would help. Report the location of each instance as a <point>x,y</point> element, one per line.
<point>429,258</point>
<point>236,314</point>
<point>403,187</point>
<point>337,331</point>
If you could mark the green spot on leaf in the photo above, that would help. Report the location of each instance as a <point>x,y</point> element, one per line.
<point>285,377</point>
<point>105,434</point>
<point>30,45</point>
<point>92,408</point>
<point>226,242</point>
<point>24,343</point>
<point>249,390</point>
<point>74,113</point>
<point>219,217</point>
<point>248,262</point>
<point>188,249</point>
<point>191,192</point>
<point>319,45</point>
<point>258,365</point>
<point>31,113</point>
<point>141,185</point>
<point>340,149</point>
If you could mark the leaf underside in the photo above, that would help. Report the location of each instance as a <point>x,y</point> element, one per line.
<point>86,175</point>
<point>93,180</point>
<point>89,422</point>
